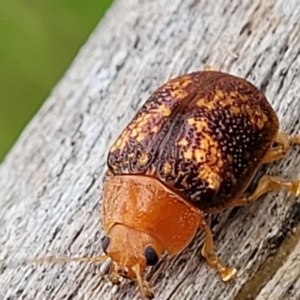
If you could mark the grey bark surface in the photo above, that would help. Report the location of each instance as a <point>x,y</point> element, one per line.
<point>50,182</point>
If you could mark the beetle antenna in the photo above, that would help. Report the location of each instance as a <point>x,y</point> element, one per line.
<point>96,259</point>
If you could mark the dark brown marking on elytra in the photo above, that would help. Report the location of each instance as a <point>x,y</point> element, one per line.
<point>202,135</point>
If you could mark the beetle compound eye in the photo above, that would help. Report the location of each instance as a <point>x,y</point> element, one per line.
<point>151,256</point>
<point>105,243</point>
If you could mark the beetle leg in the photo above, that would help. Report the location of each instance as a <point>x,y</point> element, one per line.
<point>212,259</point>
<point>145,289</point>
<point>268,184</point>
<point>284,142</point>
<point>148,291</point>
<point>114,277</point>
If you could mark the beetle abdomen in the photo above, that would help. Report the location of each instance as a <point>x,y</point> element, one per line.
<point>203,135</point>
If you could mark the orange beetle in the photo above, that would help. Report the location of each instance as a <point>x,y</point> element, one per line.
<point>192,149</point>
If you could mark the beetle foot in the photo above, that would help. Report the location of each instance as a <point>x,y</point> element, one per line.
<point>114,278</point>
<point>228,273</point>
<point>147,290</point>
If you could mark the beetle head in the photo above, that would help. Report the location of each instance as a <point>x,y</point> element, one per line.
<point>131,251</point>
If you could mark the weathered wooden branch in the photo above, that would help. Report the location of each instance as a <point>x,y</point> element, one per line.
<point>50,183</point>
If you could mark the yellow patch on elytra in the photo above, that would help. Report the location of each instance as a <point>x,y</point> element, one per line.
<point>244,97</point>
<point>138,128</point>
<point>120,143</point>
<point>143,159</point>
<point>210,176</point>
<point>121,147</point>
<point>220,163</point>
<point>260,124</point>
<point>142,123</point>
<point>261,121</point>
<point>144,118</point>
<point>154,129</point>
<point>167,167</point>
<point>182,142</point>
<point>200,155</point>
<point>188,154</point>
<point>206,104</point>
<point>213,156</point>
<point>214,181</point>
<point>220,98</point>
<point>163,110</point>
<point>177,88</point>
<point>258,118</point>
<point>178,94</point>
<point>113,148</point>
<point>134,133</point>
<point>207,153</point>
<point>210,141</point>
<point>186,82</point>
<point>201,125</point>
<point>141,136</point>
<point>191,121</point>
<point>219,94</point>
<point>248,109</point>
<point>198,124</point>
<point>265,117</point>
<point>204,144</point>
<point>235,109</point>
<point>233,94</point>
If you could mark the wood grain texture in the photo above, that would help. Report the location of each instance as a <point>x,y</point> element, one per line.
<point>50,183</point>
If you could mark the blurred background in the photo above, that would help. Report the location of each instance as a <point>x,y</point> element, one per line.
<point>38,41</point>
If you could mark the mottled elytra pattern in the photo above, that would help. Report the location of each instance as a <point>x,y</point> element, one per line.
<point>202,134</point>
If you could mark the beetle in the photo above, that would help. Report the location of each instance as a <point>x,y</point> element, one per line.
<point>191,150</point>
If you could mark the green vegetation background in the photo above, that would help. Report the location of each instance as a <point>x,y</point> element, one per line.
<point>38,41</point>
